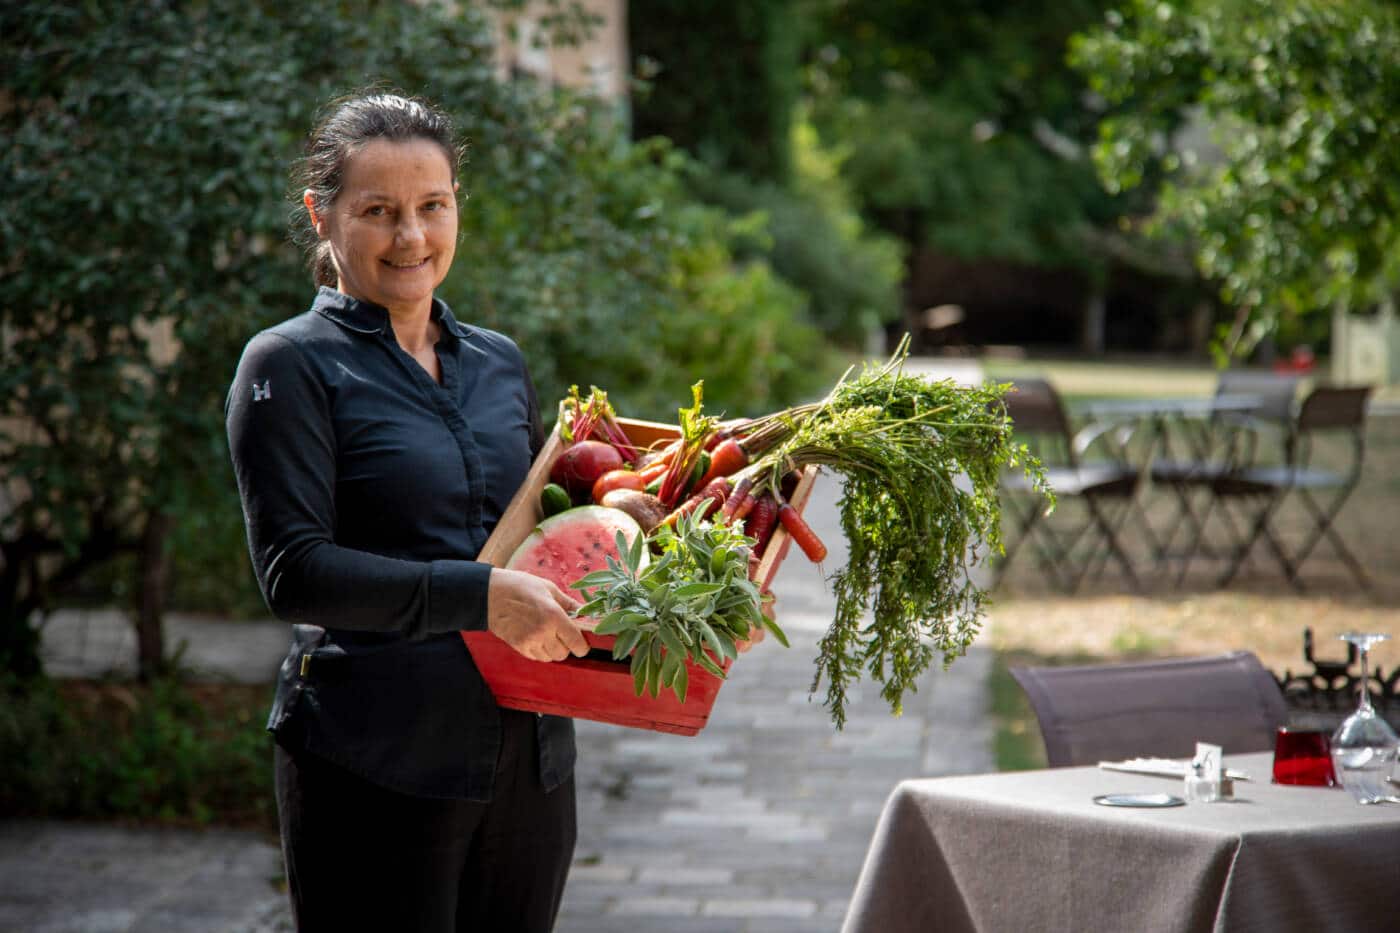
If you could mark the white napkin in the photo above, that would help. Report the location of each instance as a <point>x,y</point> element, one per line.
<point>1163,767</point>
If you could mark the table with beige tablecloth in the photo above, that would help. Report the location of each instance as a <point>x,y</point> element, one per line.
<point>1031,850</point>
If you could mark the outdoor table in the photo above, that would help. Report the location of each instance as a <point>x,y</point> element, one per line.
<point>1031,850</point>
<point>1152,418</point>
<point>1182,437</point>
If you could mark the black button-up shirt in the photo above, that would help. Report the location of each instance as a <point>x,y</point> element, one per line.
<point>368,489</point>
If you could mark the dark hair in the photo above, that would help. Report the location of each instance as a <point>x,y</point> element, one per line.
<point>349,124</point>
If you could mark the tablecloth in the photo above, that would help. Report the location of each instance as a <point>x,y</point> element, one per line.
<point>1032,851</point>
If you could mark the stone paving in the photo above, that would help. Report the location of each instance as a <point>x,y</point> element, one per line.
<point>759,824</point>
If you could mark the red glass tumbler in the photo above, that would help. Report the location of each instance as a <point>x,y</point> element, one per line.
<point>1303,756</point>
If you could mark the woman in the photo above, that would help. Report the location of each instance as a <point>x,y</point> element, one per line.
<point>376,441</point>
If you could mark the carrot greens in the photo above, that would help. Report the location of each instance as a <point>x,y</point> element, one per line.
<point>919,509</point>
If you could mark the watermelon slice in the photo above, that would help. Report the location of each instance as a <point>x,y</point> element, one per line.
<point>567,547</point>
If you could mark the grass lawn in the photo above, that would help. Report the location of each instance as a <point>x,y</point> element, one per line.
<point>1033,623</point>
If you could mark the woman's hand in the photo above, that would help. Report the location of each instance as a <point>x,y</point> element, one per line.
<point>531,615</point>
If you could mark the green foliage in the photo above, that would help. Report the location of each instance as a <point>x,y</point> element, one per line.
<point>812,234</point>
<point>964,126</point>
<point>721,79</point>
<point>935,168</point>
<point>1291,205</point>
<point>91,751</point>
<point>147,146</point>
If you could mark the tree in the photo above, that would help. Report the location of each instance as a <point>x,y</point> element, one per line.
<point>145,166</point>
<point>963,127</point>
<point>721,80</point>
<point>1274,128</point>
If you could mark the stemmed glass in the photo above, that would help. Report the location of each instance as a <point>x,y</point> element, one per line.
<point>1364,745</point>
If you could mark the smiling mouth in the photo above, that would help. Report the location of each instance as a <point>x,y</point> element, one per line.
<point>405,266</point>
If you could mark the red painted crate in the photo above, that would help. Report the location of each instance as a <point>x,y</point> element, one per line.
<point>597,687</point>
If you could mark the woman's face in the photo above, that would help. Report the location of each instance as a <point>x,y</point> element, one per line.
<point>393,227</point>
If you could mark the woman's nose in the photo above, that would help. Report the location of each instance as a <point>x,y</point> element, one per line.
<point>410,230</point>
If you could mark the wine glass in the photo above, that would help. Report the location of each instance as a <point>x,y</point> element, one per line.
<point>1364,745</point>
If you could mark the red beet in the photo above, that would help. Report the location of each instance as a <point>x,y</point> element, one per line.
<point>580,465</point>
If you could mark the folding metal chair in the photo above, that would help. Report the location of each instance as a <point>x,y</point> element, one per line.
<point>1068,550</point>
<point>1107,712</point>
<point>1322,491</point>
<point>1227,442</point>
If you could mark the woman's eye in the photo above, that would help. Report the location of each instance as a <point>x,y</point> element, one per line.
<point>434,206</point>
<point>377,210</point>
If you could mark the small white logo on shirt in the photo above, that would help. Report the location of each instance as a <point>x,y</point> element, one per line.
<point>262,393</point>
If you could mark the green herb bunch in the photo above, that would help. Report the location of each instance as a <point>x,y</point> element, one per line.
<point>695,601</point>
<point>919,509</point>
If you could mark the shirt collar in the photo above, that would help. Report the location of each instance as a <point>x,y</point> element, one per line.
<point>364,317</point>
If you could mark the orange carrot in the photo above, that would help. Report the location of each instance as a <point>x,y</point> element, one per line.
<point>708,499</point>
<point>802,533</point>
<point>654,470</point>
<point>728,457</point>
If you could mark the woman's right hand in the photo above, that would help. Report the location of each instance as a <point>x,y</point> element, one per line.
<point>531,615</point>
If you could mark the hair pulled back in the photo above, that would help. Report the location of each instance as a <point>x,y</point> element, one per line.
<point>349,124</point>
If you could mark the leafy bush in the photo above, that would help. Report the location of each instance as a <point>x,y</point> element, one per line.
<point>815,239</point>
<point>722,79</point>
<point>163,752</point>
<point>966,127</point>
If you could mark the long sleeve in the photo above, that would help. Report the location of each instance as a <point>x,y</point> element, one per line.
<point>283,444</point>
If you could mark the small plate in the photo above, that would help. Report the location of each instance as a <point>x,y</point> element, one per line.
<point>1139,800</point>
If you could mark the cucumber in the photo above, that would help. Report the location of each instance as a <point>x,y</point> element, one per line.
<point>554,499</point>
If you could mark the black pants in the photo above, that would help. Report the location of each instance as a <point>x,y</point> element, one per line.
<point>362,858</point>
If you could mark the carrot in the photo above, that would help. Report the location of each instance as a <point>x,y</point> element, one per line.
<point>654,470</point>
<point>745,507</point>
<point>761,520</point>
<point>708,499</point>
<point>802,533</point>
<point>729,457</point>
<point>741,489</point>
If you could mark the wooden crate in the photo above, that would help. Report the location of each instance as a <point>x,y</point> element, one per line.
<point>597,687</point>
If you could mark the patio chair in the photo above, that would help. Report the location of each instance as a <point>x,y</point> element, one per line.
<point>1069,547</point>
<point>1109,712</point>
<point>1321,489</point>
<point>1227,442</point>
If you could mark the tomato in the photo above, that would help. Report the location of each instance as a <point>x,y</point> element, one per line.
<point>616,479</point>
